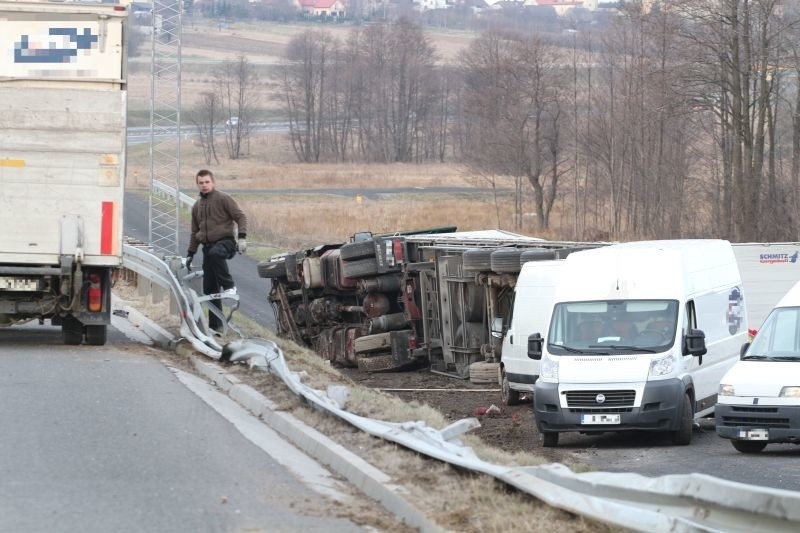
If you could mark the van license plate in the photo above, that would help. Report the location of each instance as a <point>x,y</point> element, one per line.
<point>600,419</point>
<point>13,283</point>
<point>754,434</point>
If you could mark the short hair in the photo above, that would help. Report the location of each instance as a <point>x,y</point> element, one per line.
<point>204,173</point>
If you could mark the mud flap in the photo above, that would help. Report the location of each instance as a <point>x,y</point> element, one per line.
<point>402,343</point>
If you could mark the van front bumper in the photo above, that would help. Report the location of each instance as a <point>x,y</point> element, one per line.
<point>659,410</point>
<point>782,422</point>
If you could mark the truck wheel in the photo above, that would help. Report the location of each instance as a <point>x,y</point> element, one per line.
<point>536,254</point>
<point>482,372</point>
<point>507,394</point>
<point>360,267</point>
<point>377,363</point>
<point>71,331</point>
<point>683,435</point>
<point>477,260</point>
<point>357,250</point>
<point>272,269</point>
<point>749,446</point>
<point>549,440</point>
<point>96,335</point>
<point>372,343</point>
<point>506,260</point>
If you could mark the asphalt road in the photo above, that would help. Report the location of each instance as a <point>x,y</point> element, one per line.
<point>98,439</point>
<point>252,289</point>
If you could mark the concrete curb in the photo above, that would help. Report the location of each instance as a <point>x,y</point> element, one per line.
<point>357,471</point>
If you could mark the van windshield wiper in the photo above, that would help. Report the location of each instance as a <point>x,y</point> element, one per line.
<point>785,358</point>
<point>568,348</point>
<point>754,358</point>
<point>623,347</point>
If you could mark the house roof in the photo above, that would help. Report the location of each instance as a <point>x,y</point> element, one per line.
<point>324,4</point>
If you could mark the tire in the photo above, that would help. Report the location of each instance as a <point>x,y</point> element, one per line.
<point>749,446</point>
<point>96,335</point>
<point>507,394</point>
<point>477,260</point>
<point>360,268</point>
<point>377,363</point>
<point>683,435</point>
<point>505,260</point>
<point>272,269</point>
<point>372,343</point>
<point>357,250</point>
<point>536,254</point>
<point>71,331</point>
<point>483,372</point>
<point>549,440</point>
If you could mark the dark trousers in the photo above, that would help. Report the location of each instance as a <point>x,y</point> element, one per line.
<point>216,276</point>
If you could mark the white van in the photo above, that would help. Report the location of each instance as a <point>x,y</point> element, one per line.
<point>759,398</point>
<point>640,336</point>
<point>533,306</point>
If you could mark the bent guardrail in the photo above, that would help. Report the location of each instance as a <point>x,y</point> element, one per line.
<point>692,502</point>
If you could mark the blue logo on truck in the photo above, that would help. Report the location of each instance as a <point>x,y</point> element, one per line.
<point>61,45</point>
<point>770,259</point>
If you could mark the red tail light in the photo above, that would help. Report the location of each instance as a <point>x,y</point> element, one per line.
<point>95,296</point>
<point>397,250</point>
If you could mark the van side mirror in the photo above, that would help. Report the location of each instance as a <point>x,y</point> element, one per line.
<point>743,349</point>
<point>497,328</point>
<point>535,343</point>
<point>694,343</point>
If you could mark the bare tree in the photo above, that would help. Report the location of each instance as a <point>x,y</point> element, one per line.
<point>236,83</point>
<point>512,93</point>
<point>205,117</point>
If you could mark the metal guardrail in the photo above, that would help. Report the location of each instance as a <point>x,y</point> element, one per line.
<point>692,502</point>
<point>165,189</point>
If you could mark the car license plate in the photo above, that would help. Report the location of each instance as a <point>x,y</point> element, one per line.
<point>600,419</point>
<point>12,283</point>
<point>754,434</point>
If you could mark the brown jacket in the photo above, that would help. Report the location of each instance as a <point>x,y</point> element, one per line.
<point>213,216</point>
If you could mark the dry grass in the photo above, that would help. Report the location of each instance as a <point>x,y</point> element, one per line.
<point>299,220</point>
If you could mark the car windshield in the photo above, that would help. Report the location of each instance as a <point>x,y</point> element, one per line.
<point>779,337</point>
<point>613,326</point>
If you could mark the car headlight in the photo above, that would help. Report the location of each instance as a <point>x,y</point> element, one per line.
<point>726,390</point>
<point>790,392</point>
<point>549,369</point>
<point>662,366</point>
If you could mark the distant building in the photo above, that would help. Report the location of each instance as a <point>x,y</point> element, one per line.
<point>322,8</point>
<point>562,7</point>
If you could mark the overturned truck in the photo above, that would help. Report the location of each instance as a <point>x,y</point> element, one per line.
<point>389,302</point>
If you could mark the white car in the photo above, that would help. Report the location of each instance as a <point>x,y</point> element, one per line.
<point>759,398</point>
<point>232,122</point>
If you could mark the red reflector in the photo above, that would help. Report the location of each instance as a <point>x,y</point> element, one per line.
<point>397,250</point>
<point>95,295</point>
<point>119,8</point>
<point>412,343</point>
<point>107,228</point>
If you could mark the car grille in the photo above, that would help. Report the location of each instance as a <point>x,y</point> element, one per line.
<point>755,416</point>
<point>596,410</point>
<point>588,398</point>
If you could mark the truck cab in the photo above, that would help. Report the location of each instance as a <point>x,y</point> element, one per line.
<point>640,336</point>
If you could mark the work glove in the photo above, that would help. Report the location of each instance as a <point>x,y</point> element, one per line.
<point>241,244</point>
<point>188,263</point>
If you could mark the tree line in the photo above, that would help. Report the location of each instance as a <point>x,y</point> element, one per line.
<point>678,122</point>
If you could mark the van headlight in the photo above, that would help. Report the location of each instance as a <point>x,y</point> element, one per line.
<point>726,390</point>
<point>549,369</point>
<point>662,366</point>
<point>790,392</point>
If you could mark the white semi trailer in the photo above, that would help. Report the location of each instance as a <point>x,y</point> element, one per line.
<point>62,161</point>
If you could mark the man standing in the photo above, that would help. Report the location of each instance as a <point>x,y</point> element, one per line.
<point>213,217</point>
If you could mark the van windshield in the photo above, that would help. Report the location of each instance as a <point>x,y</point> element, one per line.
<point>779,337</point>
<point>613,326</point>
